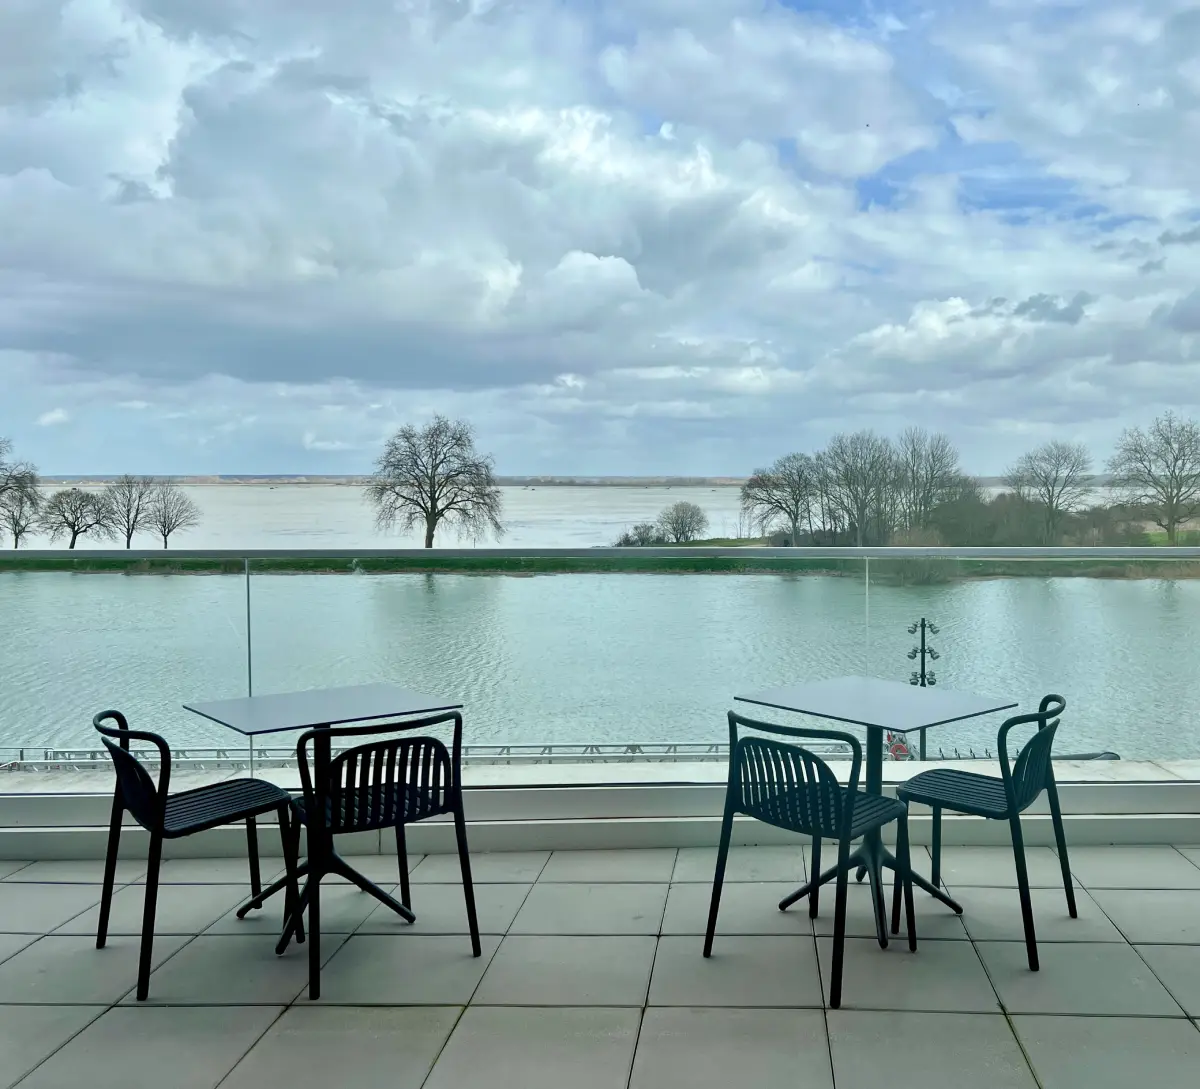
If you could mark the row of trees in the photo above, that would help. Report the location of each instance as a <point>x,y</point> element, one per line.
<point>867,489</point>
<point>679,523</point>
<point>124,508</point>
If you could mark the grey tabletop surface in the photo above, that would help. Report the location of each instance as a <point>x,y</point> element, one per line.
<point>875,702</point>
<point>284,711</point>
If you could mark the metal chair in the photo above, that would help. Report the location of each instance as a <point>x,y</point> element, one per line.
<point>1002,798</point>
<point>382,784</point>
<point>174,816</point>
<point>790,787</point>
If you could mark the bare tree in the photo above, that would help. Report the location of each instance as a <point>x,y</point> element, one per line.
<point>929,475</point>
<point>786,492</point>
<point>19,511</point>
<point>1159,469</point>
<point>129,499</point>
<point>682,522</point>
<point>861,470</point>
<point>15,475</point>
<point>72,513</point>
<point>1057,477</point>
<point>170,509</point>
<point>425,477</point>
<point>642,535</point>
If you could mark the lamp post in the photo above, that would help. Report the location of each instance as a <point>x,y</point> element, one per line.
<point>924,677</point>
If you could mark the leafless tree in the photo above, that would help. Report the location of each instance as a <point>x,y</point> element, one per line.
<point>1056,477</point>
<point>129,500</point>
<point>19,511</point>
<point>642,535</point>
<point>861,470</point>
<point>170,509</point>
<point>786,492</point>
<point>1159,469</point>
<point>929,475</point>
<point>682,522</point>
<point>435,474</point>
<point>15,475</point>
<point>72,513</point>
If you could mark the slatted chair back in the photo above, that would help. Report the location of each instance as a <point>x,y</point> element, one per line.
<point>140,794</point>
<point>788,785</point>
<point>380,784</point>
<point>1032,771</point>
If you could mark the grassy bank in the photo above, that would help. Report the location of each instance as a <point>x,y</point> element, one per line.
<point>913,572</point>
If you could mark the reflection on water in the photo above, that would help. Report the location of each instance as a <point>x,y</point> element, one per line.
<point>606,658</point>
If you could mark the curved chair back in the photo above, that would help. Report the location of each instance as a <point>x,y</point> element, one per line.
<point>144,798</point>
<point>1032,771</point>
<point>383,783</point>
<point>788,785</point>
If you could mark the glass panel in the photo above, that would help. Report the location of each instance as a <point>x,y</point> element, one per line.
<point>81,636</point>
<point>576,658</point>
<point>1118,639</point>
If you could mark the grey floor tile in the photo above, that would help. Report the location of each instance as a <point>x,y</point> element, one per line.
<point>1159,917</point>
<point>1076,979</point>
<point>9,868</point>
<point>934,919</point>
<point>747,907</point>
<point>941,976</point>
<point>230,970</point>
<point>344,908</point>
<point>38,909</point>
<point>995,915</point>
<point>29,1034</point>
<point>441,909</point>
<point>383,868</point>
<point>743,864</point>
<point>234,870</point>
<point>185,1048</point>
<point>925,1051</point>
<point>11,944</point>
<point>315,1047</point>
<point>994,866</point>
<point>1192,854</point>
<point>1133,868</point>
<point>82,872</point>
<point>409,969</point>
<point>70,970</point>
<point>1111,1052</point>
<point>713,1048</point>
<point>590,867</point>
<point>568,971</point>
<point>180,909</point>
<point>592,909</point>
<point>1178,968</point>
<point>538,1049</point>
<point>503,867</point>
<point>744,970</point>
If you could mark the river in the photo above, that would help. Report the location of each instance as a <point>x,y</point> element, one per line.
<point>600,658</point>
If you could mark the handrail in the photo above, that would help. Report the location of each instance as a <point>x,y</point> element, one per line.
<point>899,552</point>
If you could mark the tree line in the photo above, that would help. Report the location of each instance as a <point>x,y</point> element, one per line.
<point>867,489</point>
<point>118,512</point>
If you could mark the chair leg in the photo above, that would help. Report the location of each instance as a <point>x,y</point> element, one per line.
<point>252,854</point>
<point>839,926</point>
<point>110,867</point>
<point>1018,844</point>
<point>904,863</point>
<point>464,862</point>
<point>402,863</point>
<point>290,840</point>
<point>1060,840</point>
<point>897,884</point>
<point>814,873</point>
<point>935,848</point>
<point>314,934</point>
<point>718,878</point>
<point>147,951</point>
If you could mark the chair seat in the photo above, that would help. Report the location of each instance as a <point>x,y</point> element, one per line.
<point>370,808</point>
<point>962,791</point>
<point>871,811</point>
<point>222,803</point>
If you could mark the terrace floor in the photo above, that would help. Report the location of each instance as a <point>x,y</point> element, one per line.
<point>592,977</point>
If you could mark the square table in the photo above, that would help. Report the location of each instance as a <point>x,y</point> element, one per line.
<point>319,709</point>
<point>877,705</point>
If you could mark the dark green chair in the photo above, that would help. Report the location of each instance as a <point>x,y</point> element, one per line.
<point>789,787</point>
<point>1002,798</point>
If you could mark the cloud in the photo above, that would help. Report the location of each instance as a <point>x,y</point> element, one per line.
<point>619,236</point>
<point>53,418</point>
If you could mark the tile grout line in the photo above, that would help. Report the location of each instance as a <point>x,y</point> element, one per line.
<point>253,1044</point>
<point>637,1037</point>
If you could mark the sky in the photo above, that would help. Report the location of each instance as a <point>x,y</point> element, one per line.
<point>618,236</point>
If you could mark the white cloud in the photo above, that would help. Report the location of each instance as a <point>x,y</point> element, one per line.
<point>53,417</point>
